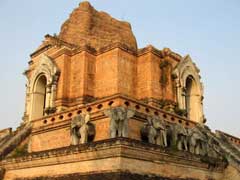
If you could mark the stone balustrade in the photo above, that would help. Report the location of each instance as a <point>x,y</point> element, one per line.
<point>231,138</point>
<point>114,101</point>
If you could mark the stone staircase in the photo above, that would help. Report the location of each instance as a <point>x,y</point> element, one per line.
<point>3,140</point>
<point>229,150</point>
<point>12,140</point>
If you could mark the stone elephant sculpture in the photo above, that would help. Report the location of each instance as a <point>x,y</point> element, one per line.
<point>155,131</point>
<point>149,133</point>
<point>179,137</point>
<point>119,121</point>
<point>81,129</point>
<point>197,141</point>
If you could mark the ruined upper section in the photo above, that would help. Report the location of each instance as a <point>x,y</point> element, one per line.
<point>88,27</point>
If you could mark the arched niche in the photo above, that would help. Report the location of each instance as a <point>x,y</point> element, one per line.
<point>189,89</point>
<point>192,98</point>
<point>41,89</point>
<point>39,97</point>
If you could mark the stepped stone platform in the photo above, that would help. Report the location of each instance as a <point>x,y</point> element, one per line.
<point>116,158</point>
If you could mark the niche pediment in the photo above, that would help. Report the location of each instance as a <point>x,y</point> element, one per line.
<point>47,67</point>
<point>186,64</point>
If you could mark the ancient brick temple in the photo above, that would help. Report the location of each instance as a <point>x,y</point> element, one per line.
<point>97,107</point>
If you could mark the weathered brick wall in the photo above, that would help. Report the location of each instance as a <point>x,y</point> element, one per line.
<point>114,71</point>
<point>127,72</point>
<point>106,74</point>
<point>63,63</point>
<point>87,26</point>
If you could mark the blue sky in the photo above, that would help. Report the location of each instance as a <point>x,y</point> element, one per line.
<point>207,30</point>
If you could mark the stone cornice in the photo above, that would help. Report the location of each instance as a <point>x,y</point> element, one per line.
<point>51,41</point>
<point>104,49</point>
<point>41,50</point>
<point>72,50</point>
<point>166,52</point>
<point>118,147</point>
<point>150,49</point>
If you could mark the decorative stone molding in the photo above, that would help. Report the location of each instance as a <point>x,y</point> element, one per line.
<point>45,67</point>
<point>115,147</point>
<point>185,70</point>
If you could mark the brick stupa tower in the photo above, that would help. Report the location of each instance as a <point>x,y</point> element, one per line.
<point>97,107</point>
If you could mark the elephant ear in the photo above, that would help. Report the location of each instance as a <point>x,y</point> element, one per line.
<point>149,120</point>
<point>130,113</point>
<point>87,118</point>
<point>75,121</point>
<point>190,131</point>
<point>182,130</point>
<point>121,109</point>
<point>108,112</point>
<point>157,123</point>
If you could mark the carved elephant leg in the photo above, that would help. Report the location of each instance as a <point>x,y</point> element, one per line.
<point>180,143</point>
<point>192,149</point>
<point>152,135</point>
<point>120,129</point>
<point>113,133</point>
<point>113,130</point>
<point>84,134</point>
<point>197,148</point>
<point>151,139</point>
<point>159,140</point>
<point>203,148</point>
<point>174,140</point>
<point>124,128</point>
<point>185,143</point>
<point>74,138</point>
<point>192,144</point>
<point>164,138</point>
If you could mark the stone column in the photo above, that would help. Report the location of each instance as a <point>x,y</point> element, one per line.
<point>183,97</point>
<point>179,94</point>
<point>53,95</point>
<point>48,96</point>
<point>27,104</point>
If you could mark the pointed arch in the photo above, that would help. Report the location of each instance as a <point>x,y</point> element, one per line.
<point>189,89</point>
<point>39,97</point>
<point>42,88</point>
